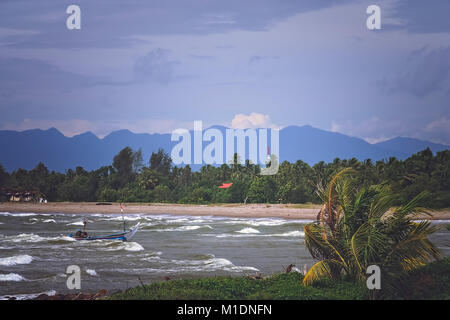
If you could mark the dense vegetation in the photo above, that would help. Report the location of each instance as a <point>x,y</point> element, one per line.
<point>429,282</point>
<point>129,180</point>
<point>359,226</point>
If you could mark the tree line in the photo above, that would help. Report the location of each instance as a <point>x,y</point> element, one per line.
<point>130,179</point>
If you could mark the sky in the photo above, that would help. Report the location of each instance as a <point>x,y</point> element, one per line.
<point>155,66</point>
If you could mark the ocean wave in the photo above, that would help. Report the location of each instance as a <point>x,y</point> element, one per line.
<point>208,264</point>
<point>111,245</point>
<point>11,277</point>
<point>258,222</point>
<point>212,264</point>
<point>15,260</point>
<point>125,217</point>
<point>18,214</point>
<point>31,237</point>
<point>91,272</point>
<point>152,256</point>
<point>78,223</point>
<point>249,233</point>
<point>184,228</point>
<point>288,234</point>
<point>27,296</point>
<point>248,230</point>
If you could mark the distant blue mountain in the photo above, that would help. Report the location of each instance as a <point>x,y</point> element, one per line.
<point>27,148</point>
<point>410,145</point>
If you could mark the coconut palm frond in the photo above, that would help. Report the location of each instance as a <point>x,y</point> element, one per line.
<point>413,207</point>
<point>315,240</point>
<point>320,270</point>
<point>330,187</point>
<point>358,226</point>
<point>415,249</point>
<point>382,204</point>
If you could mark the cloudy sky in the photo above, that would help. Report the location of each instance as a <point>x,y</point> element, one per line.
<point>157,65</point>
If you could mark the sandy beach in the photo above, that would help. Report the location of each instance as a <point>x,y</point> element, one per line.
<point>285,211</point>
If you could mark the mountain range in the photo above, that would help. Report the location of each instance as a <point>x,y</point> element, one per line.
<point>25,149</point>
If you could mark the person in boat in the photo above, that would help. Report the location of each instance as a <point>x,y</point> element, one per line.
<point>81,234</point>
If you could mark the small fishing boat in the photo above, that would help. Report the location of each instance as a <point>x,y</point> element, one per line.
<point>125,235</point>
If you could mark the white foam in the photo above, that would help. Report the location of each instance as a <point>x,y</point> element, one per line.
<point>126,218</point>
<point>11,277</point>
<point>116,245</point>
<point>49,221</point>
<point>188,228</point>
<point>27,296</point>
<point>248,230</point>
<point>18,214</point>
<point>31,237</point>
<point>15,260</point>
<point>248,233</point>
<point>91,272</point>
<point>203,265</point>
<point>132,246</point>
<point>288,234</point>
<point>185,228</point>
<point>258,222</point>
<point>78,223</point>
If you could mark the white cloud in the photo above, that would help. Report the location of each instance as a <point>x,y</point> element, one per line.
<point>253,120</point>
<point>372,130</point>
<point>442,125</point>
<point>438,130</point>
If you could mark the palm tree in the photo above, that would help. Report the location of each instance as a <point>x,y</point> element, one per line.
<point>358,227</point>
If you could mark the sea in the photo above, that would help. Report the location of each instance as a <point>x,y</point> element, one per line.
<point>36,251</point>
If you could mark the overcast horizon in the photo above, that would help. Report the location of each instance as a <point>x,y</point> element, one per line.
<point>155,66</point>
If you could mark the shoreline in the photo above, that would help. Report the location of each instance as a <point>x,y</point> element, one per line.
<point>284,211</point>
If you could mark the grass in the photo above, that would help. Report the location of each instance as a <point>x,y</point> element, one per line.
<point>429,282</point>
<point>278,287</point>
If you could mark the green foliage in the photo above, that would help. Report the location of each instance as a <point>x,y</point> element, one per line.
<point>358,227</point>
<point>161,162</point>
<point>108,195</point>
<point>262,190</point>
<point>127,163</point>
<point>429,282</point>
<point>162,193</point>
<point>128,179</point>
<point>278,287</point>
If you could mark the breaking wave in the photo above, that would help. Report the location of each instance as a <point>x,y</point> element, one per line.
<point>248,230</point>
<point>91,272</point>
<point>15,260</point>
<point>78,223</point>
<point>205,263</point>
<point>11,277</point>
<point>108,245</point>
<point>31,237</point>
<point>27,296</point>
